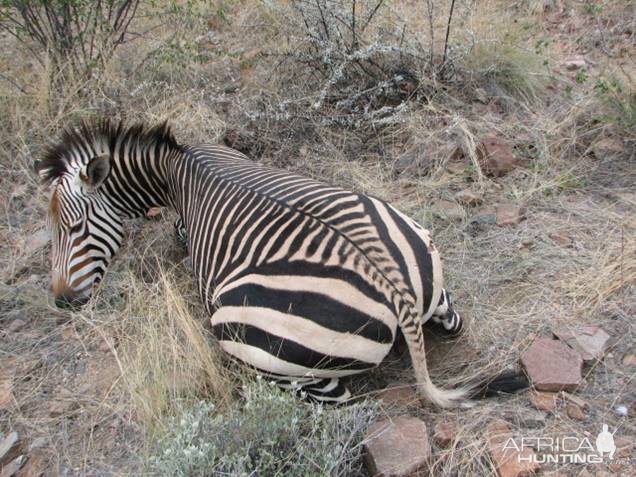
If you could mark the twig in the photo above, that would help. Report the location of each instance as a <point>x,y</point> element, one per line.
<point>324,23</point>
<point>429,6</point>
<point>371,15</point>
<point>354,41</point>
<point>9,80</point>
<point>450,18</point>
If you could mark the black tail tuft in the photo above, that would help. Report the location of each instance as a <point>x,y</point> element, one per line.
<point>508,382</point>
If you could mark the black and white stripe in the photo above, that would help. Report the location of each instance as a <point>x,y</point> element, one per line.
<point>304,281</point>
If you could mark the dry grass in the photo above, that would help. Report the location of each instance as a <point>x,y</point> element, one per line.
<point>177,362</point>
<point>570,261</point>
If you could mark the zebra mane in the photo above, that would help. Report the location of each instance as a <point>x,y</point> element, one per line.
<point>57,156</point>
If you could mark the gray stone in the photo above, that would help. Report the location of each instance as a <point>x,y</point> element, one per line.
<point>414,162</point>
<point>575,63</point>
<point>589,341</point>
<point>16,325</point>
<point>486,216</point>
<point>38,443</point>
<point>551,365</point>
<point>8,444</point>
<point>397,447</point>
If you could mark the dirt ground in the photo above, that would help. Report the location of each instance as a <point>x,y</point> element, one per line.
<point>78,387</point>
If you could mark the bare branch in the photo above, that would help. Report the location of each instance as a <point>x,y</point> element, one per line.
<point>450,18</point>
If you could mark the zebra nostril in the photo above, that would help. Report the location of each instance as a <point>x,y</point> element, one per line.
<point>70,302</point>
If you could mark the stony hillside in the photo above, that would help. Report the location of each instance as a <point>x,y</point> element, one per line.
<point>505,127</point>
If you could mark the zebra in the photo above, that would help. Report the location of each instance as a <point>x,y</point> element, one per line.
<point>304,281</point>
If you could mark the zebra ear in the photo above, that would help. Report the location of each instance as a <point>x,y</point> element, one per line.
<point>41,170</point>
<point>96,171</point>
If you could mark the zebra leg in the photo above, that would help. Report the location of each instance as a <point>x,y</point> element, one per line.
<point>445,315</point>
<point>180,233</point>
<point>328,390</point>
<point>324,390</point>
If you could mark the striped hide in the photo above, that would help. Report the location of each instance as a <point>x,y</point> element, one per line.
<point>304,281</point>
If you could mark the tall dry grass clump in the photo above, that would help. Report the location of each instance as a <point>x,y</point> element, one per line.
<point>168,359</point>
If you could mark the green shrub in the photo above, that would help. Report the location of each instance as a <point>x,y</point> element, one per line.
<point>619,102</point>
<point>268,432</point>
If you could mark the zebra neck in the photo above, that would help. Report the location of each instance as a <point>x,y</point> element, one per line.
<point>140,179</point>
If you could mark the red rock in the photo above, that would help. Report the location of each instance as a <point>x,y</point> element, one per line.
<point>629,360</point>
<point>561,239</point>
<point>457,168</point>
<point>575,412</point>
<point>62,407</point>
<point>543,401</point>
<point>36,466</point>
<point>498,427</point>
<point>12,468</point>
<point>589,341</point>
<point>400,395</point>
<point>608,148</point>
<point>580,402</point>
<point>6,387</point>
<point>508,456</point>
<point>444,433</point>
<point>153,212</point>
<point>16,325</point>
<point>397,447</point>
<point>468,198</point>
<point>449,210</point>
<point>495,156</point>
<point>616,467</point>
<point>509,214</point>
<point>104,347</point>
<point>68,332</point>
<point>623,446</point>
<point>551,365</point>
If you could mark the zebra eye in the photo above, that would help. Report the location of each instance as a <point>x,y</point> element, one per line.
<point>75,228</point>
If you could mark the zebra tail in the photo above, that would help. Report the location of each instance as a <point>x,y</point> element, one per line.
<point>441,397</point>
<point>508,382</point>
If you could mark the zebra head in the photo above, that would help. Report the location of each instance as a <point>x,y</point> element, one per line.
<point>85,229</point>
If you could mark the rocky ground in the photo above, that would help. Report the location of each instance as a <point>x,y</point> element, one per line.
<point>521,164</point>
